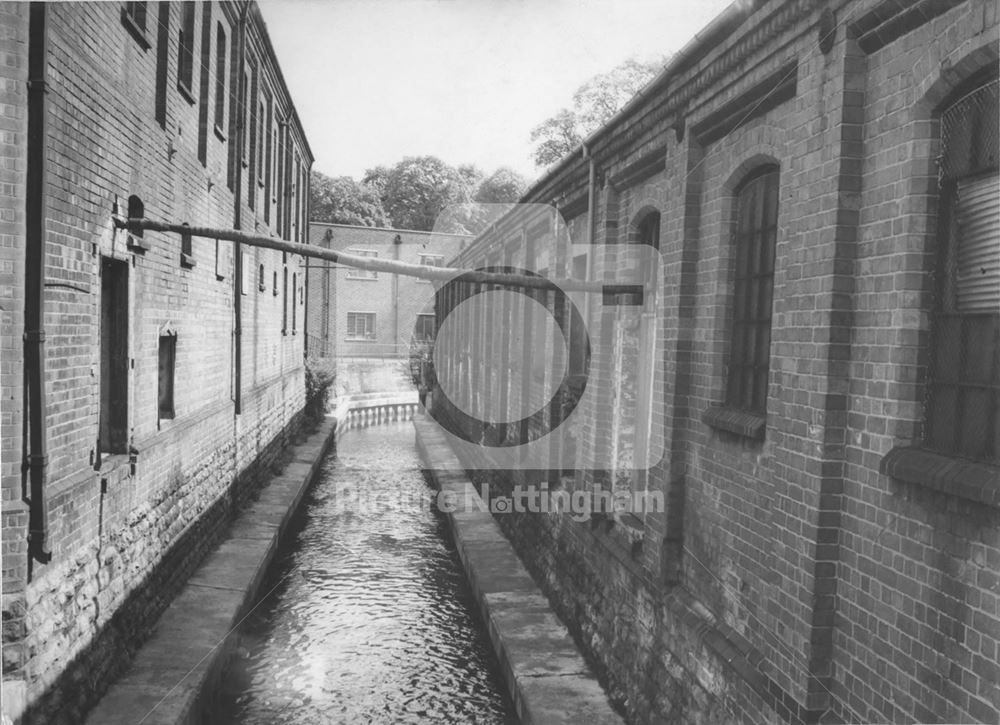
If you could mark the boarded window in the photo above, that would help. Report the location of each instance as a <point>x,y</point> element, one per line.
<point>167,364</point>
<point>756,227</point>
<point>964,384</point>
<point>361,326</point>
<point>114,356</point>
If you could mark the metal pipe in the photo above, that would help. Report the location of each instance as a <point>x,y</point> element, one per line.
<point>374,264</point>
<point>35,465</point>
<point>241,133</point>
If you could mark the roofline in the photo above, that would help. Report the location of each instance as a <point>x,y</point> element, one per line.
<point>266,39</point>
<point>390,229</point>
<point>722,26</point>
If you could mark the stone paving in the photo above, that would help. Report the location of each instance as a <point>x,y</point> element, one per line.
<point>547,676</point>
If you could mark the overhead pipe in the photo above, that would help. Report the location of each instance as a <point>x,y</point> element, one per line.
<point>34,466</point>
<point>375,264</point>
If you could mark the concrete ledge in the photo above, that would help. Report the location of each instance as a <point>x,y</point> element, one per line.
<point>185,655</point>
<point>546,675</point>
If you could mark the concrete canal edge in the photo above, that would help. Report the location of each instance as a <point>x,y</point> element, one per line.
<point>185,655</point>
<point>545,673</point>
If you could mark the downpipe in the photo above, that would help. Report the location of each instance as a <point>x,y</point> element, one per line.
<point>34,466</point>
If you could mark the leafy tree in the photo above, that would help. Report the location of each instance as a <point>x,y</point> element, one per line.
<point>419,187</point>
<point>501,187</point>
<point>342,200</point>
<point>594,103</point>
<point>377,177</point>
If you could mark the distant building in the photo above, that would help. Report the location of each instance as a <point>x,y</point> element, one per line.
<point>171,370</point>
<point>356,313</point>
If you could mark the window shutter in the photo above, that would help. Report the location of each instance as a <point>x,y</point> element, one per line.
<point>978,273</point>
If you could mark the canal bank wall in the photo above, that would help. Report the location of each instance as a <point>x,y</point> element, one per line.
<point>548,679</point>
<point>173,675</point>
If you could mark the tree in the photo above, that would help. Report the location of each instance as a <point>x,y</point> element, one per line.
<point>503,186</point>
<point>594,103</point>
<point>419,187</point>
<point>342,200</point>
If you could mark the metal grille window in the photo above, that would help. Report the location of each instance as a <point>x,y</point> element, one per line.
<point>354,273</point>
<point>755,232</point>
<point>963,405</point>
<point>185,51</point>
<point>361,326</point>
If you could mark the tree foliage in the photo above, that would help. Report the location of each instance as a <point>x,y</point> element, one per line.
<point>503,186</point>
<point>594,103</point>
<point>342,200</point>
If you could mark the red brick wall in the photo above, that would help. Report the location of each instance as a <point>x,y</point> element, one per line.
<point>788,579</point>
<point>122,541</point>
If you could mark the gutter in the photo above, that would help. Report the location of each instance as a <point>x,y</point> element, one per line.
<point>696,48</point>
<point>34,466</point>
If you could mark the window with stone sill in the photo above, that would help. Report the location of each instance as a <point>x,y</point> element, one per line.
<point>134,20</point>
<point>185,52</point>
<point>361,326</point>
<point>754,235</point>
<point>960,449</point>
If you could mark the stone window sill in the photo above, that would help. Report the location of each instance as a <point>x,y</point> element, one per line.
<point>742,422</point>
<point>188,261</point>
<point>978,482</point>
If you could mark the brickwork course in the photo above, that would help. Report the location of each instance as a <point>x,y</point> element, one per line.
<point>819,558</point>
<point>336,291</point>
<point>142,101</point>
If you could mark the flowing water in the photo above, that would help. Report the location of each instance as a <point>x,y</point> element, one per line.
<point>367,617</point>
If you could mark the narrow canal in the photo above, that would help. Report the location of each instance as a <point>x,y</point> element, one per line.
<point>367,617</point>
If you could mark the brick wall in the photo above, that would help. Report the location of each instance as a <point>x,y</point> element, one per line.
<point>396,300</point>
<point>13,127</point>
<point>789,579</point>
<point>124,534</point>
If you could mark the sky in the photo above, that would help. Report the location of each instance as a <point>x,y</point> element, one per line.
<point>465,80</point>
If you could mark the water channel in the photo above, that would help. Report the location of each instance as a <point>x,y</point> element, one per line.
<point>366,615</point>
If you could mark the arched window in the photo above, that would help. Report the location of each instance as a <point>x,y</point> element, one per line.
<point>755,231</point>
<point>963,403</point>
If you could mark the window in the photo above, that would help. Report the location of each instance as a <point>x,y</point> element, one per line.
<point>431,260</point>
<point>963,396</point>
<point>162,61</point>
<point>266,165</point>
<point>754,239</point>
<point>275,291</point>
<point>260,143</point>
<point>134,20</point>
<point>168,358</point>
<point>187,249</point>
<point>361,326</point>
<point>261,279</point>
<point>246,264</point>
<point>425,327</point>
<point>222,252</point>
<point>353,272</point>
<point>185,51</point>
<point>113,435</point>
<point>220,81</point>
<point>245,130</point>
<point>295,301</point>
<point>284,301</point>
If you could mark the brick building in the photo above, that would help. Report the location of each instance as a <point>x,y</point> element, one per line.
<point>158,376</point>
<point>357,313</point>
<point>820,178</point>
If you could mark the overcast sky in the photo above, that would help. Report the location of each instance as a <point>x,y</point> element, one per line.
<point>465,80</point>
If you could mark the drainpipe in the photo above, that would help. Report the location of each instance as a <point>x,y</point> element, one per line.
<point>241,132</point>
<point>591,180</point>
<point>35,464</point>
<point>397,242</point>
